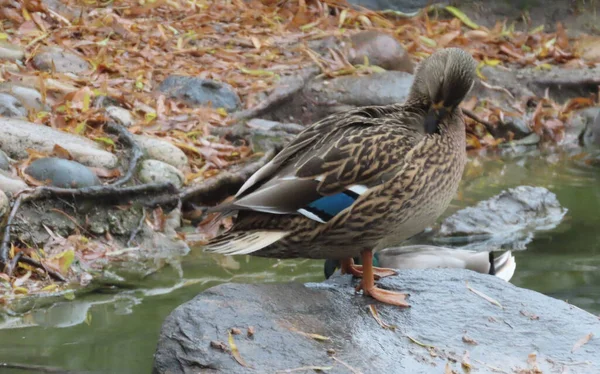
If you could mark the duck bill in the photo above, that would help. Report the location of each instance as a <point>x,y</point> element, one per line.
<point>433,118</point>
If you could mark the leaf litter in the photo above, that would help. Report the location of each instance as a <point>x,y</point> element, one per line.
<point>132,46</point>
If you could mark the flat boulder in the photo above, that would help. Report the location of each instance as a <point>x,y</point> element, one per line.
<point>457,316</point>
<point>16,136</point>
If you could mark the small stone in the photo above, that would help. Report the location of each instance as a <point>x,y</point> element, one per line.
<point>4,204</point>
<point>11,185</point>
<point>591,134</point>
<point>380,49</point>
<point>10,52</point>
<point>200,92</point>
<point>29,97</point>
<point>10,106</point>
<point>121,115</point>
<point>4,162</point>
<point>16,136</point>
<point>162,150</point>
<point>153,171</point>
<point>63,173</point>
<point>49,58</point>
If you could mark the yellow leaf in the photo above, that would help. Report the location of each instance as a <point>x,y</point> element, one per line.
<point>50,287</point>
<point>86,101</point>
<point>478,71</point>
<point>544,67</point>
<point>69,295</point>
<point>3,36</point>
<point>343,15</point>
<point>462,17</point>
<point>105,140</point>
<point>540,28</point>
<point>150,116</point>
<point>366,22</point>
<point>492,62</point>
<point>65,259</point>
<point>80,129</point>
<point>222,112</point>
<point>20,290</point>
<point>257,73</point>
<point>26,14</point>
<point>427,41</point>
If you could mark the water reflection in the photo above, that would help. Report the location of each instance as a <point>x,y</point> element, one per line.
<point>115,331</point>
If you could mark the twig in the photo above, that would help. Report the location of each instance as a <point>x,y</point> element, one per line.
<point>38,368</point>
<point>39,265</point>
<point>497,88</point>
<point>488,125</point>
<point>135,151</point>
<point>13,264</point>
<point>226,181</point>
<point>352,370</point>
<point>4,247</point>
<point>137,229</point>
<point>280,94</point>
<point>100,191</point>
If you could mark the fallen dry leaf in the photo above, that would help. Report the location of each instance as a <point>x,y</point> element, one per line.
<point>484,296</point>
<point>581,342</point>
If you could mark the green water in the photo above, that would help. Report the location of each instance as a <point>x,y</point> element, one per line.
<point>116,331</point>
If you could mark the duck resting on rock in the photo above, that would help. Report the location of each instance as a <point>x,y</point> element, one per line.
<point>429,257</point>
<point>359,181</point>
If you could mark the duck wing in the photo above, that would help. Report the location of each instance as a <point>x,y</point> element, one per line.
<point>330,164</point>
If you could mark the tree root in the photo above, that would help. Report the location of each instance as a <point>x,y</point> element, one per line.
<point>135,152</point>
<point>488,125</point>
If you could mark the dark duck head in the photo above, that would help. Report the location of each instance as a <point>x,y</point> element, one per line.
<point>442,81</point>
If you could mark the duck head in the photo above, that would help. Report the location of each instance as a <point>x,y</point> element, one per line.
<point>442,81</point>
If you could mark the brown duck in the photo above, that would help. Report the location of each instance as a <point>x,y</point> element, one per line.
<point>360,181</point>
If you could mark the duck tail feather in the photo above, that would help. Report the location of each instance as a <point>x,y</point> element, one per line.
<point>244,242</point>
<point>505,266</point>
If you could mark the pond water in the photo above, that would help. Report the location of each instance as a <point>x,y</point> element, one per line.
<point>116,331</point>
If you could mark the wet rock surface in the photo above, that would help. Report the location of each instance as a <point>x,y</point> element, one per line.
<point>507,219</point>
<point>590,136</point>
<point>153,171</point>
<point>62,61</point>
<point>16,136</point>
<point>443,311</point>
<point>196,91</point>
<point>58,172</point>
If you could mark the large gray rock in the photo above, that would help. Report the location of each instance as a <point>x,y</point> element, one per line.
<point>507,220</point>
<point>62,61</point>
<point>196,91</point>
<point>319,98</point>
<point>58,172</point>
<point>445,314</point>
<point>16,136</point>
